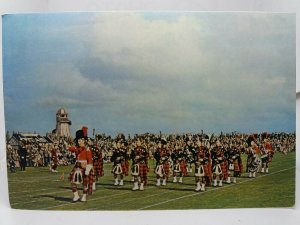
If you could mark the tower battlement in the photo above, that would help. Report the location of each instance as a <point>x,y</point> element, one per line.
<point>62,123</point>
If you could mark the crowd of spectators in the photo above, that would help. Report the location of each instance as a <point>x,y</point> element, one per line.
<point>39,154</point>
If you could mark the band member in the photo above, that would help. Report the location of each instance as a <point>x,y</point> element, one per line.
<point>54,159</point>
<point>179,165</point>
<point>119,169</point>
<point>190,155</point>
<point>82,172</point>
<point>97,162</point>
<point>234,163</point>
<point>218,163</point>
<point>165,156</point>
<point>159,167</point>
<point>202,168</point>
<point>266,156</point>
<point>126,155</point>
<point>253,161</point>
<point>140,167</point>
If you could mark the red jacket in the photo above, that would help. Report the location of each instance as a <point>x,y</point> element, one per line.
<point>82,154</point>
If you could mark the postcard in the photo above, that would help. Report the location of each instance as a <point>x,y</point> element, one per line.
<point>150,110</point>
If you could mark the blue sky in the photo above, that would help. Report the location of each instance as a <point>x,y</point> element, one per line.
<point>145,72</point>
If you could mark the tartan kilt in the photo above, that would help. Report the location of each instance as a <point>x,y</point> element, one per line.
<point>143,170</point>
<point>237,166</point>
<point>87,179</point>
<point>166,167</point>
<point>207,170</point>
<point>224,167</point>
<point>98,168</point>
<point>125,168</point>
<point>183,168</point>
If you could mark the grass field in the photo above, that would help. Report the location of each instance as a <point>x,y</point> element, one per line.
<point>38,188</point>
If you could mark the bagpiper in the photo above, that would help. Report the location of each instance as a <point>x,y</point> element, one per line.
<point>253,161</point>
<point>164,157</point>
<point>190,154</point>
<point>159,166</point>
<point>97,162</point>
<point>218,164</point>
<point>82,173</point>
<point>235,164</point>
<point>179,164</point>
<point>140,167</point>
<point>118,159</point>
<point>202,167</point>
<point>266,156</point>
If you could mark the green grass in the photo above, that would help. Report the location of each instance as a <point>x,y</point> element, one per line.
<point>37,188</point>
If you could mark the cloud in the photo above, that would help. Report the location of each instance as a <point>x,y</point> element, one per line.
<point>132,71</point>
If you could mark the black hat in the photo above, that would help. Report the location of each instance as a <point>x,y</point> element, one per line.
<point>82,133</point>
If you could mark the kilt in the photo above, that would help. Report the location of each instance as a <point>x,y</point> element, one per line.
<point>208,174</point>
<point>237,166</point>
<point>224,168</point>
<point>207,170</point>
<point>167,168</point>
<point>125,168</point>
<point>98,168</point>
<point>183,168</point>
<point>143,170</point>
<point>87,180</point>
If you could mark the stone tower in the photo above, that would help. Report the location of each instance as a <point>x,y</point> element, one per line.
<point>62,123</point>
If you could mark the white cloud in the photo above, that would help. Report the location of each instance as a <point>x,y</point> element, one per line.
<point>196,70</point>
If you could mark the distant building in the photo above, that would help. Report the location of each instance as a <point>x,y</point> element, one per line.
<point>62,124</point>
<point>27,138</point>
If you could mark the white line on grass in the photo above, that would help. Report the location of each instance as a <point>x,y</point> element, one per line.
<point>190,195</point>
<point>132,199</point>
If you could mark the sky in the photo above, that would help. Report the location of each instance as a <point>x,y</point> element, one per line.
<point>137,72</point>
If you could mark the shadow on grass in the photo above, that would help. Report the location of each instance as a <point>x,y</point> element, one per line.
<point>62,199</point>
